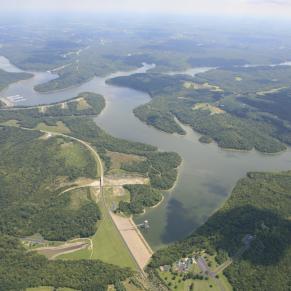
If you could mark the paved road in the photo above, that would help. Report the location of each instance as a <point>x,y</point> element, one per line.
<point>100,174</point>
<point>128,243</point>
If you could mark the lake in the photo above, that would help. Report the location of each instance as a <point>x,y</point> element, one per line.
<point>206,176</point>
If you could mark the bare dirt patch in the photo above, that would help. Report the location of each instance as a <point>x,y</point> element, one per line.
<point>95,184</point>
<point>124,180</point>
<point>82,104</point>
<point>42,109</point>
<point>78,182</point>
<point>64,105</point>
<point>53,252</point>
<point>275,90</point>
<point>199,86</point>
<point>46,136</point>
<point>206,106</point>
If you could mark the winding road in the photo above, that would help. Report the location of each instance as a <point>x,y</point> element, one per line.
<point>133,239</point>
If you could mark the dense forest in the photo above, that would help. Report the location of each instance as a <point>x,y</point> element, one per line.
<point>235,107</point>
<point>141,196</point>
<point>160,167</point>
<point>31,203</point>
<point>6,78</point>
<point>85,103</point>
<point>259,206</point>
<point>20,269</point>
<point>29,195</point>
<point>32,200</point>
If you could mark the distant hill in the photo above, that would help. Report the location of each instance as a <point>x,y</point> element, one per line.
<point>6,78</point>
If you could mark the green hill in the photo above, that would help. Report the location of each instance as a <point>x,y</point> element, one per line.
<point>260,206</point>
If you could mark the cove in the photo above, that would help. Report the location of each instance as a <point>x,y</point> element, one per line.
<point>206,176</point>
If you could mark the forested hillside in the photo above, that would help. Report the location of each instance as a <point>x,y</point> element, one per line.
<point>76,120</point>
<point>31,180</point>
<point>35,169</point>
<point>259,206</point>
<point>7,78</point>
<point>238,108</point>
<point>20,269</point>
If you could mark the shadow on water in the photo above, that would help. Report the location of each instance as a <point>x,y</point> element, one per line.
<point>177,221</point>
<point>206,176</point>
<point>215,186</point>
<point>226,231</point>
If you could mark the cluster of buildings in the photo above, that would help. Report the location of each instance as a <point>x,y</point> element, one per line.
<point>184,265</point>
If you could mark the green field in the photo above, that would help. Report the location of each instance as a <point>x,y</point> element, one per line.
<point>108,245</point>
<point>11,122</point>
<point>75,154</point>
<point>177,283</point>
<point>59,127</point>
<point>198,285</point>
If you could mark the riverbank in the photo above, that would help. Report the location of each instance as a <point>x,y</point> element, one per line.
<point>206,176</point>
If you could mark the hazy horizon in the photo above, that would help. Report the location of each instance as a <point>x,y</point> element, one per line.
<point>252,8</point>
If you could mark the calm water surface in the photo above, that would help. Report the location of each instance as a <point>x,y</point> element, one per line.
<point>206,176</point>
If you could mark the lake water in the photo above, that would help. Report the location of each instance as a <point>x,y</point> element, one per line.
<point>206,176</point>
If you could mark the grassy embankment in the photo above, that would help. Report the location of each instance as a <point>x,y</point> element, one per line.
<point>108,245</point>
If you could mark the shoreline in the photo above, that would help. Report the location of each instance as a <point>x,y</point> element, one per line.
<point>133,239</point>
<point>159,203</point>
<point>288,147</point>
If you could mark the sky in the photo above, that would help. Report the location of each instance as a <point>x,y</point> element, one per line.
<point>275,8</point>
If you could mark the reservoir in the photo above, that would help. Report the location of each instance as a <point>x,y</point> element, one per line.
<point>206,176</point>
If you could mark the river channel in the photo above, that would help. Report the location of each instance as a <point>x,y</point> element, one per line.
<point>206,176</point>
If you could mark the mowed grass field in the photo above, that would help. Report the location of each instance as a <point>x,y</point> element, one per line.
<point>108,245</point>
<point>12,122</point>
<point>60,127</point>
<point>177,283</point>
<point>74,154</point>
<point>199,285</point>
